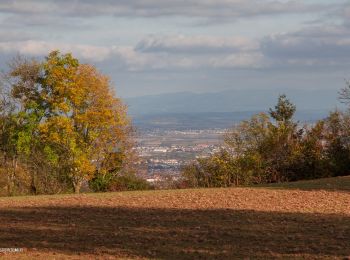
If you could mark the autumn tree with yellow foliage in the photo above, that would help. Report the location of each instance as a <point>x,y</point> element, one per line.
<point>67,112</point>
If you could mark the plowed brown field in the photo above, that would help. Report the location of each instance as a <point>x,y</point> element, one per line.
<point>180,224</point>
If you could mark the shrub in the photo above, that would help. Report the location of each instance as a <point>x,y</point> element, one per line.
<point>121,182</point>
<point>130,182</point>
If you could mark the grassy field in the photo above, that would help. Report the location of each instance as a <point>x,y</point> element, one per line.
<point>331,184</point>
<point>298,220</point>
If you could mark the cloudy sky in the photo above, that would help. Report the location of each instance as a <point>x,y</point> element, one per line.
<point>160,46</point>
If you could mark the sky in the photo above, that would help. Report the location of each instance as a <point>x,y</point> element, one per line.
<point>150,47</point>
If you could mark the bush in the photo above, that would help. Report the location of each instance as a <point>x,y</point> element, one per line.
<point>101,183</point>
<point>129,182</point>
<point>122,182</point>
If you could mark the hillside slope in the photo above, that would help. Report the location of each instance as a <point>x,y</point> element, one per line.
<point>180,224</point>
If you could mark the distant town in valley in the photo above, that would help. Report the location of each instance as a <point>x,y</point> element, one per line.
<point>164,153</point>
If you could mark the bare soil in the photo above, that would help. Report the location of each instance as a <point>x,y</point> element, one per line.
<point>180,224</point>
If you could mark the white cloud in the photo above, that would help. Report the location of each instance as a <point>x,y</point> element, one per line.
<point>184,52</point>
<point>42,48</point>
<point>166,53</point>
<point>196,44</point>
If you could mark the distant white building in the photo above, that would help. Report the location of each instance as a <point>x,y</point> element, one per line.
<point>160,150</point>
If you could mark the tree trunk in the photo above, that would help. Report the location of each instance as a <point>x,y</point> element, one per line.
<point>11,175</point>
<point>33,189</point>
<point>77,185</point>
<point>10,184</point>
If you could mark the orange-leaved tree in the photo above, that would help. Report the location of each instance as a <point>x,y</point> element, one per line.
<point>65,117</point>
<point>85,125</point>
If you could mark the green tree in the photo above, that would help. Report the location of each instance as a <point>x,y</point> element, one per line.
<point>336,140</point>
<point>283,111</point>
<point>260,150</point>
<point>20,117</point>
<point>66,118</point>
<point>344,94</point>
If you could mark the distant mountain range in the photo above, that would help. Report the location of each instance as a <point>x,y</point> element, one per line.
<point>230,101</point>
<point>187,110</point>
<point>218,120</point>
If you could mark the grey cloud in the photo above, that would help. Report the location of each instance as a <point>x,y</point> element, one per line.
<point>344,15</point>
<point>10,36</point>
<point>152,8</point>
<point>315,46</point>
<point>31,20</point>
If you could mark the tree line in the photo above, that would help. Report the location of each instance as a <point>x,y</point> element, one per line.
<point>61,126</point>
<point>273,147</point>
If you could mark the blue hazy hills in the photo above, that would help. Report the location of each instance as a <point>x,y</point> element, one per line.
<point>188,110</point>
